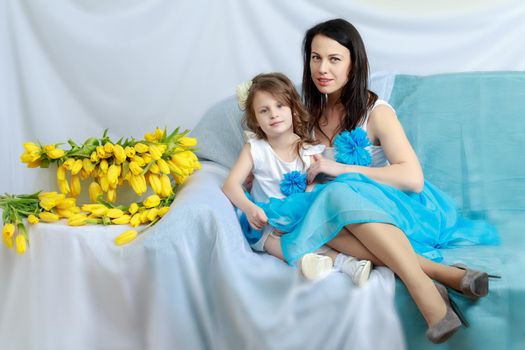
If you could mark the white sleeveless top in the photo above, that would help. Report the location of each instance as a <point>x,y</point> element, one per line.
<point>268,169</point>
<point>378,155</point>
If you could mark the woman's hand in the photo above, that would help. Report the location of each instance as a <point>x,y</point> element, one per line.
<point>257,217</point>
<point>325,166</point>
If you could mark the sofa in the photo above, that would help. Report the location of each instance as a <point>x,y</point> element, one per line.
<point>467,129</point>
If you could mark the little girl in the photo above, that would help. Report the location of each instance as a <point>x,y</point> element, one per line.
<point>278,154</point>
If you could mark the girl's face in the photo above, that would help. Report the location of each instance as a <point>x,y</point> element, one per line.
<point>273,116</point>
<point>330,64</point>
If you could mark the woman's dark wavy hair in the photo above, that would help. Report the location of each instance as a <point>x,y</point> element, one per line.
<point>355,96</point>
<point>283,90</point>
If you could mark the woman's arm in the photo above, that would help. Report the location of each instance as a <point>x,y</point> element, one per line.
<point>233,189</point>
<point>404,171</point>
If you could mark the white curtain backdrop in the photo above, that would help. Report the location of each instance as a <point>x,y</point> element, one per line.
<point>72,68</point>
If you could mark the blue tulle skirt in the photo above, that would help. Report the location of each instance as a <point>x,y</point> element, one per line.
<point>429,219</point>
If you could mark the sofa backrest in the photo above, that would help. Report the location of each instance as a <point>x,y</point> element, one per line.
<point>467,130</point>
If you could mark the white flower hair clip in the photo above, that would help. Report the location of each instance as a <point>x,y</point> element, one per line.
<point>242,93</point>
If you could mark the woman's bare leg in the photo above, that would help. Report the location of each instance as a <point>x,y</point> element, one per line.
<point>390,245</point>
<point>347,243</point>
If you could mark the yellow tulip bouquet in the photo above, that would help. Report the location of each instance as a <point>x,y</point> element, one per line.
<point>106,165</point>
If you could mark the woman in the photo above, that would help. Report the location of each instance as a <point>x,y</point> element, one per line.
<point>336,93</point>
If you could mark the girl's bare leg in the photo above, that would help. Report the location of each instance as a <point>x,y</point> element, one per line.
<point>390,245</point>
<point>347,243</point>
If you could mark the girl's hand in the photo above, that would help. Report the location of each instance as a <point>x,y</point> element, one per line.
<point>257,218</point>
<point>325,166</point>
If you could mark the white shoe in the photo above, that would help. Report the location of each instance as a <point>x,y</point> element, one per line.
<point>315,266</point>
<point>358,270</point>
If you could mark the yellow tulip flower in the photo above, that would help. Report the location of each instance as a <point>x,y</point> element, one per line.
<point>104,183</point>
<point>108,147</point>
<point>50,202</point>
<point>93,206</point>
<point>150,137</point>
<point>94,157</point>
<point>48,217</point>
<point>34,164</point>
<point>151,201</point>
<point>8,229</point>
<point>141,148</point>
<point>156,151</point>
<point>31,147</point>
<point>154,168</point>
<point>101,152</point>
<point>55,153</point>
<point>135,168</point>
<point>126,237</point>
<point>114,213</point>
<point>32,219</point>
<point>75,185</point>
<point>159,133</point>
<point>27,157</point>
<point>139,160</point>
<point>188,141</point>
<point>123,220</point>
<point>113,174</point>
<point>94,191</point>
<point>65,213</point>
<point>130,151</point>
<point>135,220</point>
<point>155,183</point>
<point>8,240</point>
<point>133,208</point>
<point>61,173</point>
<point>120,153</point>
<point>63,186</point>
<point>166,186</point>
<point>163,166</point>
<point>21,245</point>
<point>163,211</point>
<point>152,214</point>
<point>66,203</point>
<point>111,195</point>
<point>77,166</point>
<point>77,220</point>
<point>68,164</point>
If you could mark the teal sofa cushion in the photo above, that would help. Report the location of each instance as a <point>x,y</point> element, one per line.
<point>467,130</point>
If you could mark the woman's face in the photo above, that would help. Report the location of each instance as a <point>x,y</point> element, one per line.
<point>330,64</point>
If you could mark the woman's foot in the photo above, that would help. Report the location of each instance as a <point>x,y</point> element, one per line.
<point>448,325</point>
<point>474,284</point>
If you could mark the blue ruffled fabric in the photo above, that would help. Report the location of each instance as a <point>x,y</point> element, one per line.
<point>350,147</point>
<point>293,182</point>
<point>429,219</point>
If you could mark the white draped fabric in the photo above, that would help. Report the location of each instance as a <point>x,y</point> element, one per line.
<point>72,68</point>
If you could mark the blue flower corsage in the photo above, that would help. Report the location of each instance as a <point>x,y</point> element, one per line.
<point>293,182</point>
<point>350,147</point>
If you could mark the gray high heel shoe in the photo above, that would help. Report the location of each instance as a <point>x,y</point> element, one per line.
<point>448,325</point>
<point>475,284</point>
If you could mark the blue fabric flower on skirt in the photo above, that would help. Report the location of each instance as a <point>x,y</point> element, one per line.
<point>293,182</point>
<point>350,147</point>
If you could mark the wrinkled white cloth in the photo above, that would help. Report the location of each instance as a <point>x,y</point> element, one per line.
<point>189,282</point>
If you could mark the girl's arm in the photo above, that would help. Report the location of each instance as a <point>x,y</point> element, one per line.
<point>233,189</point>
<point>404,171</point>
